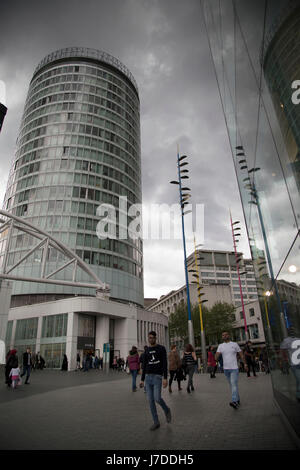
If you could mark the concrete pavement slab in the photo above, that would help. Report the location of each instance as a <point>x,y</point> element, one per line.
<point>100,412</point>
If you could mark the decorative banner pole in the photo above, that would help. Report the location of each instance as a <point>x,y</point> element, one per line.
<point>184,197</point>
<point>238,259</point>
<point>250,186</point>
<point>200,302</point>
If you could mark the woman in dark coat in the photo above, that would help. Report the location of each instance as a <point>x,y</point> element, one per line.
<point>11,361</point>
<point>64,363</point>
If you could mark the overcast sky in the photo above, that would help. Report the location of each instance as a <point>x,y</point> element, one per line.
<point>163,43</point>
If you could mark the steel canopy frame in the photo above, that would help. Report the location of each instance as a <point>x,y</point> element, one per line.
<point>46,241</point>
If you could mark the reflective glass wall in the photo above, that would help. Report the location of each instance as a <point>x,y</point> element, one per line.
<point>255,50</point>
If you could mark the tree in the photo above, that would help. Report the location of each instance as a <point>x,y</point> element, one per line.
<point>178,323</point>
<point>217,319</point>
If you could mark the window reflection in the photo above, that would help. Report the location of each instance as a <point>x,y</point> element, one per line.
<point>256,59</point>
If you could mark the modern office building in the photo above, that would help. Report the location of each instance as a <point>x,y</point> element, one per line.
<point>255,50</point>
<point>168,303</point>
<point>78,148</point>
<point>218,268</point>
<point>219,278</point>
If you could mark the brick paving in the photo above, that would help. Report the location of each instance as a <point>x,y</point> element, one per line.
<point>97,410</point>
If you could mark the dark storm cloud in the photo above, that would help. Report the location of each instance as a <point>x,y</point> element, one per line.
<point>164,45</point>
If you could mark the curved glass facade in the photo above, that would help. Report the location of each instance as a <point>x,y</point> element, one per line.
<point>78,147</point>
<point>281,66</point>
<point>255,50</point>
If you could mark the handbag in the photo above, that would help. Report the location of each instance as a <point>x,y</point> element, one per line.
<point>180,375</point>
<point>127,370</point>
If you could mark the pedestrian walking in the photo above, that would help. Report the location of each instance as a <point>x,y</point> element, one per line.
<point>174,367</point>
<point>188,363</point>
<point>87,362</point>
<point>229,351</point>
<point>155,371</point>
<point>27,363</point>
<point>97,362</point>
<point>241,365</point>
<point>260,362</point>
<point>42,363</point>
<point>11,361</point>
<point>211,362</point>
<point>120,364</point>
<point>33,360</point>
<point>78,361</point>
<point>15,375</point>
<point>249,356</point>
<point>288,348</point>
<point>220,363</point>
<point>115,363</point>
<point>101,363</point>
<point>64,365</point>
<point>265,362</point>
<point>141,362</point>
<point>133,361</point>
<point>38,361</point>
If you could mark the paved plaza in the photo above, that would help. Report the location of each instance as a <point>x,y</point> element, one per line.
<point>97,410</point>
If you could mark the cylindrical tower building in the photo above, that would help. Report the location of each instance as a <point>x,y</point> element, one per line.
<point>281,67</point>
<point>78,147</point>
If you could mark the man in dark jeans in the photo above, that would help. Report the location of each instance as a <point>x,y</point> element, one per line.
<point>249,356</point>
<point>27,363</point>
<point>155,367</point>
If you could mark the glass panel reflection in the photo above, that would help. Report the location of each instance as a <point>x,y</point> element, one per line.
<point>255,50</point>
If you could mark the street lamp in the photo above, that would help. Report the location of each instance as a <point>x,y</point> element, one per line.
<point>184,200</point>
<point>266,295</point>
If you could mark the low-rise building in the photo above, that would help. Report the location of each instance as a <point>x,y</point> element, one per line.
<point>81,324</point>
<point>167,304</point>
